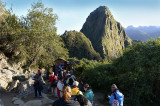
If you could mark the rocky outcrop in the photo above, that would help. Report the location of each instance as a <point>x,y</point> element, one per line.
<point>7,72</point>
<point>106,34</point>
<point>44,101</point>
<point>14,85</point>
<point>26,88</point>
<point>79,45</point>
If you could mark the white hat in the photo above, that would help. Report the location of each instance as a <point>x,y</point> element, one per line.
<point>75,83</point>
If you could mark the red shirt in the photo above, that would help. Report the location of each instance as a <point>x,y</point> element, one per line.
<point>51,78</point>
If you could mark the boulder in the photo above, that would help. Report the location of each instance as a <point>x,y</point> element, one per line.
<point>33,103</point>
<point>47,101</point>
<point>14,85</point>
<point>5,78</point>
<point>26,88</point>
<point>18,102</point>
<point>3,61</point>
<point>14,98</point>
<point>3,84</point>
<point>1,103</point>
<point>6,74</point>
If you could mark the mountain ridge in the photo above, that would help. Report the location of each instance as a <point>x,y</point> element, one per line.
<point>143,33</point>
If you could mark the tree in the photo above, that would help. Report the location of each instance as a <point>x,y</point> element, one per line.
<point>11,35</point>
<point>33,38</point>
<point>3,12</point>
<point>43,45</point>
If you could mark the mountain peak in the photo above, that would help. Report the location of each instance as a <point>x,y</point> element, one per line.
<point>107,36</point>
<point>102,8</point>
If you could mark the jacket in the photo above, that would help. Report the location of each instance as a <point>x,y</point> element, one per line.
<point>89,95</point>
<point>62,102</point>
<point>119,96</point>
<point>70,81</point>
<point>51,78</point>
<point>60,88</point>
<point>38,81</point>
<point>76,91</point>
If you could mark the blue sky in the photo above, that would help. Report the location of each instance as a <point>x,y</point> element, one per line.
<point>73,13</point>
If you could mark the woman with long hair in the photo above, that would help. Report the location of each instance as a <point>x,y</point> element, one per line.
<point>66,99</point>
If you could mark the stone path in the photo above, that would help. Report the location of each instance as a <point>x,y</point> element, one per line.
<point>98,97</point>
<point>7,98</point>
<point>31,101</point>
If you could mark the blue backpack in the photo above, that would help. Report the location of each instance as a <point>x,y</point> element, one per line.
<point>115,101</point>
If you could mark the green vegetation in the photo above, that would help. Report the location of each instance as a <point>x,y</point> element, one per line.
<point>79,46</point>
<point>3,12</point>
<point>32,39</point>
<point>137,74</point>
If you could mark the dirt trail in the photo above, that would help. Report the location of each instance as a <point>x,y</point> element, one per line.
<point>97,99</point>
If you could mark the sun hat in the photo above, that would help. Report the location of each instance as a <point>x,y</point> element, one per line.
<point>75,83</point>
<point>114,86</point>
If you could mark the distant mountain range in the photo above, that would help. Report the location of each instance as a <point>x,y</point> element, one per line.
<point>143,33</point>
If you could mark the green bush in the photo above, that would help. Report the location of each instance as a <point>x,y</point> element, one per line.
<point>136,73</point>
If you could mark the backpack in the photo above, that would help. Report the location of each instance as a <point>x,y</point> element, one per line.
<point>55,81</point>
<point>36,82</point>
<point>115,101</point>
<point>71,80</point>
<point>83,101</point>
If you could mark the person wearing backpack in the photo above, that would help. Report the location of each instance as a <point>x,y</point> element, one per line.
<point>88,93</point>
<point>53,81</point>
<point>75,90</point>
<point>70,80</point>
<point>116,98</point>
<point>38,83</point>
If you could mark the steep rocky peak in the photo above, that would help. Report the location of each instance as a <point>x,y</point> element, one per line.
<point>106,34</point>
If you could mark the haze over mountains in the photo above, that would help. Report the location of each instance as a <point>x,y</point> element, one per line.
<point>143,33</point>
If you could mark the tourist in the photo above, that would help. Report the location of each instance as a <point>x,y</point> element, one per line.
<point>53,81</point>
<point>88,93</point>
<point>75,90</point>
<point>83,82</point>
<point>71,71</point>
<point>60,87</point>
<point>38,83</point>
<point>70,81</point>
<point>66,99</point>
<point>116,95</point>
